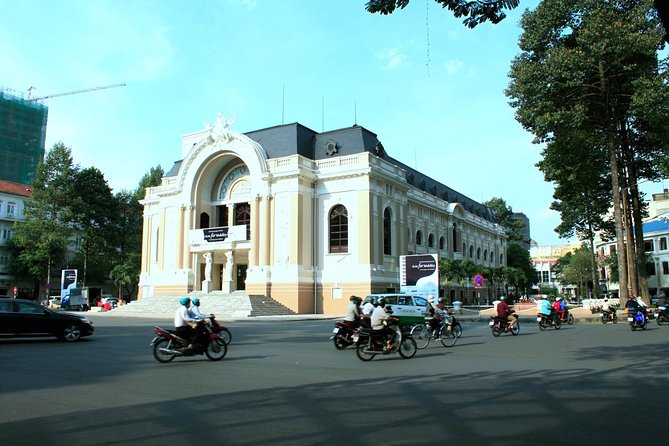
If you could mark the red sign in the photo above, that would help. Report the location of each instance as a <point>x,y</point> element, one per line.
<point>478,280</point>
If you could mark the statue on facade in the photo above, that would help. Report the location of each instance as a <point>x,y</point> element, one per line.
<point>220,131</point>
<point>208,258</point>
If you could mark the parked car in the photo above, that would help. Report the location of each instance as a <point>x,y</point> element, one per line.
<point>410,309</point>
<point>25,318</point>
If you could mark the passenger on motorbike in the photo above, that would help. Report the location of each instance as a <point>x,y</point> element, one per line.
<point>543,306</point>
<point>558,308</point>
<point>352,317</point>
<point>199,331</point>
<point>183,320</point>
<point>633,306</point>
<point>504,312</point>
<point>195,311</point>
<point>366,313</point>
<point>380,317</point>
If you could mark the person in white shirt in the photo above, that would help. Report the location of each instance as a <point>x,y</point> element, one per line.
<point>182,319</point>
<point>352,317</point>
<point>379,318</point>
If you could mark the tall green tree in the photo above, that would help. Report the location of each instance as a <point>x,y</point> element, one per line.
<point>518,258</point>
<point>576,269</point>
<point>41,239</point>
<point>514,228</point>
<point>582,65</point>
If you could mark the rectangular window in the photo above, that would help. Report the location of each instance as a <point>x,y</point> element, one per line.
<point>665,268</point>
<point>663,244</point>
<point>545,276</point>
<point>649,245</point>
<point>11,208</point>
<point>650,268</point>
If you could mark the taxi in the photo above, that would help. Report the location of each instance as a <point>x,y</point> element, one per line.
<point>408,308</point>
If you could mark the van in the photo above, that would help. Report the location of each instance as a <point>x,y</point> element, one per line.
<point>408,308</point>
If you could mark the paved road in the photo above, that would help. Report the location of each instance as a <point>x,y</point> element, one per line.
<point>283,383</point>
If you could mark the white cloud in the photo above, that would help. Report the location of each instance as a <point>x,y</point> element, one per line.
<point>391,58</point>
<point>453,66</point>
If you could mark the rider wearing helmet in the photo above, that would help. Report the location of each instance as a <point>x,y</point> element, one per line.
<point>380,317</point>
<point>366,312</point>
<point>505,313</point>
<point>182,319</point>
<point>195,311</point>
<point>352,317</point>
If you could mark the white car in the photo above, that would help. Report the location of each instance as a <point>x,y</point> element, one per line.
<point>410,309</point>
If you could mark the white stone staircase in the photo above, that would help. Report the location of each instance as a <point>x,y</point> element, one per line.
<point>235,305</point>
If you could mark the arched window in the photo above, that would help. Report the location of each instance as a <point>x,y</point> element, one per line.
<point>442,243</point>
<point>478,253</point>
<point>501,260</point>
<point>485,255</point>
<point>430,241</point>
<point>387,233</point>
<point>419,238</point>
<point>338,229</point>
<point>471,251</point>
<point>243,217</point>
<point>204,220</point>
<point>455,237</point>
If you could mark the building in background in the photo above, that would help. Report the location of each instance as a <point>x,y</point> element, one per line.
<point>305,218</point>
<point>22,138</point>
<point>656,244</point>
<point>544,259</point>
<point>519,216</point>
<point>12,196</point>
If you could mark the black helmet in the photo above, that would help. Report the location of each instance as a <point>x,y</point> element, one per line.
<point>381,301</point>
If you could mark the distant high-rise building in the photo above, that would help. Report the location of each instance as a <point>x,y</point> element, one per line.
<point>22,138</point>
<point>526,228</point>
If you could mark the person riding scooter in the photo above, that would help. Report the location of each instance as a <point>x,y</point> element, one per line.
<point>380,318</point>
<point>183,321</point>
<point>504,312</point>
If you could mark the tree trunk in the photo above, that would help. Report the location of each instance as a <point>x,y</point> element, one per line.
<point>637,223</point>
<point>629,245</point>
<point>593,261</point>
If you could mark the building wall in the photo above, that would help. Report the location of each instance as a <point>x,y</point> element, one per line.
<point>12,196</point>
<point>288,256</point>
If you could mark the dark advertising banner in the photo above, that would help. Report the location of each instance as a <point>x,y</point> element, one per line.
<point>419,274</point>
<point>216,234</point>
<point>68,280</point>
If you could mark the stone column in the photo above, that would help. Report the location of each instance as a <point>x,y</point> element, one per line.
<point>228,273</point>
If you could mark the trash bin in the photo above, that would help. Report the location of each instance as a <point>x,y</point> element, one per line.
<point>457,306</point>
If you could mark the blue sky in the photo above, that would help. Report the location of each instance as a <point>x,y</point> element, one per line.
<point>430,88</point>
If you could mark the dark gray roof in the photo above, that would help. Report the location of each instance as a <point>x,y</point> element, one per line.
<point>291,139</point>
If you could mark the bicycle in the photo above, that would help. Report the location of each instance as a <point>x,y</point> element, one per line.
<point>423,334</point>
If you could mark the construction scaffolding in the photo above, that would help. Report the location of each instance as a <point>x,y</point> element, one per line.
<point>22,138</point>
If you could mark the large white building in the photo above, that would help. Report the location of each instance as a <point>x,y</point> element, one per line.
<point>306,218</point>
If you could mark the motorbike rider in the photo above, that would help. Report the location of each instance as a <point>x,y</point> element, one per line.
<point>544,306</point>
<point>504,312</point>
<point>352,317</point>
<point>558,308</point>
<point>633,306</point>
<point>366,312</point>
<point>607,309</point>
<point>443,313</point>
<point>195,311</point>
<point>380,317</point>
<point>183,319</point>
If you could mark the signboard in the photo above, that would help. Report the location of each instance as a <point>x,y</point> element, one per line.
<point>68,280</point>
<point>419,274</point>
<point>220,234</point>
<point>478,281</point>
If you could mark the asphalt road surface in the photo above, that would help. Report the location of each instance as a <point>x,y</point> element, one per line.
<point>283,383</point>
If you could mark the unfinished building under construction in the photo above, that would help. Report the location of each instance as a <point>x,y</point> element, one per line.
<point>22,138</point>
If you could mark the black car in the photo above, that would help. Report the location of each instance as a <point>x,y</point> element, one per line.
<point>22,318</point>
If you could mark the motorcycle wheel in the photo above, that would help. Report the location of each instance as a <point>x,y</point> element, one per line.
<point>448,338</point>
<point>362,354</point>
<point>339,343</point>
<point>457,329</point>
<point>645,324</point>
<point>408,348</point>
<point>496,330</point>
<point>225,335</point>
<point>421,336</point>
<point>216,349</point>
<point>159,355</point>
<point>542,325</point>
<point>633,326</point>
<point>516,329</point>
<point>604,320</point>
<point>570,320</point>
<point>558,324</point>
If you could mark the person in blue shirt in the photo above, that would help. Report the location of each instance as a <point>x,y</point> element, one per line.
<point>543,306</point>
<point>195,309</point>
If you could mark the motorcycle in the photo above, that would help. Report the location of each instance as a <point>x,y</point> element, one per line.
<point>167,345</point>
<point>637,319</point>
<point>344,335</point>
<point>219,329</point>
<point>499,325</point>
<point>609,316</point>
<point>567,317</point>
<point>546,321</point>
<point>662,314</point>
<point>369,344</point>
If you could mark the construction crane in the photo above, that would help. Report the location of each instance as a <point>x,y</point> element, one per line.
<point>86,90</point>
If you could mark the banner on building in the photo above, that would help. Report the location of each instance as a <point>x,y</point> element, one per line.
<point>419,274</point>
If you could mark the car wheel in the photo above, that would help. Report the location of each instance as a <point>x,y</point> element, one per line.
<point>71,333</point>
